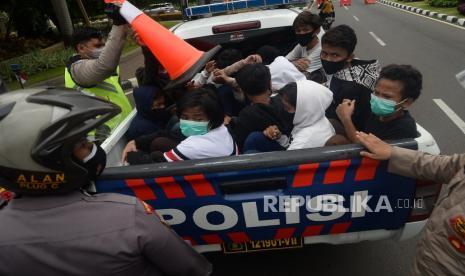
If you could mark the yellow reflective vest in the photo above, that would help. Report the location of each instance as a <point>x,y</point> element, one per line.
<point>109,89</point>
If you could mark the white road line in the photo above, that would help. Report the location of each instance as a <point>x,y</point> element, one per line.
<point>427,17</point>
<point>377,39</point>
<point>356,18</point>
<point>451,114</point>
<point>345,7</point>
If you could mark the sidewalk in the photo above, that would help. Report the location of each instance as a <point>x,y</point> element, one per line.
<point>448,18</point>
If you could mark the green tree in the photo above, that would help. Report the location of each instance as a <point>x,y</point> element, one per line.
<point>27,17</point>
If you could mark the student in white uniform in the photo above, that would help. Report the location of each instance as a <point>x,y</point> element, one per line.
<point>201,122</point>
<point>203,134</point>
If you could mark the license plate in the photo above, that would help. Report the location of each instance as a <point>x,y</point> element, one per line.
<point>261,245</point>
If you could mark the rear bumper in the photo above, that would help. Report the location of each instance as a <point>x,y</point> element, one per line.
<point>409,231</point>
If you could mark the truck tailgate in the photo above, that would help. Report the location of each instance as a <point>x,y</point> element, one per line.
<point>237,199</point>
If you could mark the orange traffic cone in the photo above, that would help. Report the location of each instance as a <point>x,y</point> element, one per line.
<point>181,60</point>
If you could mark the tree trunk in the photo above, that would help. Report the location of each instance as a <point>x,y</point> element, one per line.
<point>84,13</point>
<point>64,19</point>
<point>9,25</point>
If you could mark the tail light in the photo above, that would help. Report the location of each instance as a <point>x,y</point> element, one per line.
<point>426,195</point>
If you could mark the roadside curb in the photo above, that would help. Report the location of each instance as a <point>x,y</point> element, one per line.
<point>448,18</point>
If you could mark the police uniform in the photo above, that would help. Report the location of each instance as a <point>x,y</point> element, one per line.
<point>100,77</point>
<point>441,249</point>
<point>79,234</point>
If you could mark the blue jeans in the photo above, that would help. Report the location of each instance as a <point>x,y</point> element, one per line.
<point>258,142</point>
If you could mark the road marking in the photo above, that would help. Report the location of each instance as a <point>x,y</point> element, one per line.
<point>345,7</point>
<point>377,39</point>
<point>451,114</point>
<point>424,16</point>
<point>356,18</point>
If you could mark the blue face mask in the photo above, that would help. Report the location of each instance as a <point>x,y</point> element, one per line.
<point>383,107</point>
<point>191,128</point>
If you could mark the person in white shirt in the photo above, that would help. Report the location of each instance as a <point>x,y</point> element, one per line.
<point>202,123</point>
<point>306,54</point>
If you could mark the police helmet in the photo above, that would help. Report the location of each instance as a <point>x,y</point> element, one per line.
<point>38,131</point>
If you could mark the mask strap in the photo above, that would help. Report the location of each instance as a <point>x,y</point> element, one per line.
<point>401,102</point>
<point>91,154</point>
<point>398,104</point>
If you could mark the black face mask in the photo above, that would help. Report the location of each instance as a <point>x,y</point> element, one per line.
<point>304,39</point>
<point>96,164</point>
<point>332,67</point>
<point>162,80</point>
<point>160,115</point>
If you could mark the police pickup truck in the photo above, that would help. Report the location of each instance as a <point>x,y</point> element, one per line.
<point>279,199</point>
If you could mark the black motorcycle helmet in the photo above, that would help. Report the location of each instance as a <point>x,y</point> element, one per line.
<point>38,131</point>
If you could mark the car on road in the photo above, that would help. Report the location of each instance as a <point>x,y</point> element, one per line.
<point>159,8</point>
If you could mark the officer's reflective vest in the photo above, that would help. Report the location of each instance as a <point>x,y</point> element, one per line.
<point>108,89</point>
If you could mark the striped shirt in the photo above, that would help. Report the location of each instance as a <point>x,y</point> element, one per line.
<point>216,143</point>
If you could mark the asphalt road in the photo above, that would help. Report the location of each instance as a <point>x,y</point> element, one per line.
<point>438,51</point>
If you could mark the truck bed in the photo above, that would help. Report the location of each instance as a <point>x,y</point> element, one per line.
<point>216,202</point>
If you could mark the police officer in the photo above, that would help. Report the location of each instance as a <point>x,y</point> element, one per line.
<point>441,248</point>
<point>94,68</point>
<point>52,227</point>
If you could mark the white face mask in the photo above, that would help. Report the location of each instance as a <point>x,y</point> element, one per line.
<point>95,54</point>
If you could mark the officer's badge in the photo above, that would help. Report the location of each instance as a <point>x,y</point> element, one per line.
<point>458,224</point>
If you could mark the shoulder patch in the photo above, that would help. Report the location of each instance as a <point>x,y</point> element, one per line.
<point>458,224</point>
<point>457,244</point>
<point>5,196</point>
<point>147,207</point>
<point>149,211</point>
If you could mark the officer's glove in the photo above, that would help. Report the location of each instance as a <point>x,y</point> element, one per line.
<point>112,11</point>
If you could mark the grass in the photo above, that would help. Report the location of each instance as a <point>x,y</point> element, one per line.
<point>169,24</point>
<point>424,5</point>
<point>59,71</point>
<point>56,72</point>
<point>43,76</point>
